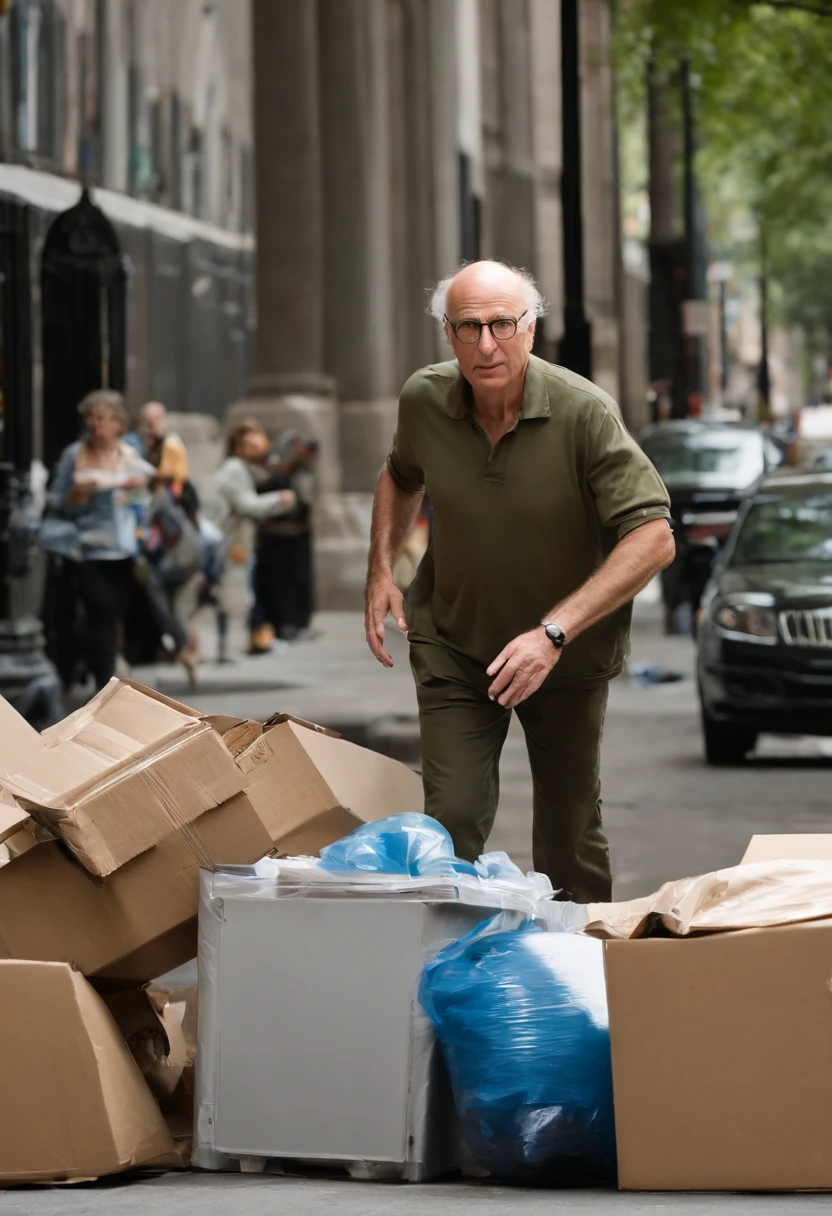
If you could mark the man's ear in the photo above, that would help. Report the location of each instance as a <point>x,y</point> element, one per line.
<point>531,331</point>
<point>448,334</point>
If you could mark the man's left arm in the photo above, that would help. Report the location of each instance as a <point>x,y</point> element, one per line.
<point>629,498</point>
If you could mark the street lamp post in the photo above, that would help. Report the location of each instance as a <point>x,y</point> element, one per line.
<point>27,678</point>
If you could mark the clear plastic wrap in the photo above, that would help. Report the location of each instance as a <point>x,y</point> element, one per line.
<point>413,854</point>
<point>521,1015</point>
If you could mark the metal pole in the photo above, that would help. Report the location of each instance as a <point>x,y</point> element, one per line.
<point>764,375</point>
<point>575,349</point>
<point>723,338</point>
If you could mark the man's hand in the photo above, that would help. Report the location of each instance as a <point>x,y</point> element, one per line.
<point>383,596</point>
<point>523,666</point>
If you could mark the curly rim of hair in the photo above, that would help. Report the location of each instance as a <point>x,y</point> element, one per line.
<point>109,399</point>
<point>533,299</point>
<point>248,426</point>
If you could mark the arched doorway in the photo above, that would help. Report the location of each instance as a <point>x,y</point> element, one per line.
<point>84,287</point>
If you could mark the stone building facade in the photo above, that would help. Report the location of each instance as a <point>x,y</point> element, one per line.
<point>395,138</point>
<point>372,144</point>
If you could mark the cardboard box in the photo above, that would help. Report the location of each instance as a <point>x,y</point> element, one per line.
<point>722,1059</point>
<point>75,1104</point>
<point>140,922</point>
<point>116,777</point>
<point>800,847</point>
<point>307,784</point>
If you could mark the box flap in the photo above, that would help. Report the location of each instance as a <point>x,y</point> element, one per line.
<point>277,719</point>
<point>119,724</point>
<point>132,807</point>
<point>363,781</point>
<point>800,847</point>
<point>74,1102</point>
<point>19,742</point>
<point>12,815</point>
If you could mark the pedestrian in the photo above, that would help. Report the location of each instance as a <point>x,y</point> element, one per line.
<point>547,521</point>
<point>96,509</point>
<point>240,507</point>
<point>283,570</point>
<point>163,449</point>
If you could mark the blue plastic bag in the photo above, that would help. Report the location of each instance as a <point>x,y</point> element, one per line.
<point>409,843</point>
<point>522,1019</point>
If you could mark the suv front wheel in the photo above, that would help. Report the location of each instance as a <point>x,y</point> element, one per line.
<point>725,744</point>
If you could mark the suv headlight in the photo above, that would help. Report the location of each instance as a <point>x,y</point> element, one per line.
<point>746,622</point>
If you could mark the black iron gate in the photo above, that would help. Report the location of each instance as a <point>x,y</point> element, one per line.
<point>84,288</point>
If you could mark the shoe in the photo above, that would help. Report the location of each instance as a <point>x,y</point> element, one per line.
<point>262,640</point>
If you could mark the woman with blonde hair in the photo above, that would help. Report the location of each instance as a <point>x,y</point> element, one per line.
<point>96,510</point>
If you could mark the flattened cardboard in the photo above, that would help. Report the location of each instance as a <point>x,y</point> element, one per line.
<point>109,811</point>
<point>799,847</point>
<point>75,1104</point>
<point>722,1060</point>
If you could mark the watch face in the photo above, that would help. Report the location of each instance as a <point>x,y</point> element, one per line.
<point>555,635</point>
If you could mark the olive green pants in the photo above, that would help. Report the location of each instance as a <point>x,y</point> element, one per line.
<point>462,736</point>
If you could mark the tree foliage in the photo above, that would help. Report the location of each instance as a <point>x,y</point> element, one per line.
<point>762,76</point>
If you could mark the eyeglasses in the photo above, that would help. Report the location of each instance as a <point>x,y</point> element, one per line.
<point>501,328</point>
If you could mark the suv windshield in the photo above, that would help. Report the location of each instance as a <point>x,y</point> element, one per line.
<point>786,529</point>
<point>710,457</point>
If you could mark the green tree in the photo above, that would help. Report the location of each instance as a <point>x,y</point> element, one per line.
<point>763,106</point>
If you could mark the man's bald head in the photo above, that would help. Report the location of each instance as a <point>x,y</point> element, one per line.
<point>487,280</point>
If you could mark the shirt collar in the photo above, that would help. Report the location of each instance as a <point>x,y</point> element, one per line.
<point>535,395</point>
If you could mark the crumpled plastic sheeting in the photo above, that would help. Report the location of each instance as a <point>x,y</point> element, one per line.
<point>521,1015</point>
<point>407,843</point>
<point>756,896</point>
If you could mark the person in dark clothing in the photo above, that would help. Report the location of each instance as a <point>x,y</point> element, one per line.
<point>283,576</point>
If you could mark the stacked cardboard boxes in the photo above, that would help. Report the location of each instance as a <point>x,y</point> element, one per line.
<point>105,823</point>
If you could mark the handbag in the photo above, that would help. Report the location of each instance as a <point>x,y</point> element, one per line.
<point>59,536</point>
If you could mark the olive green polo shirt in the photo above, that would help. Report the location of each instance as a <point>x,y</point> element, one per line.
<point>520,526</point>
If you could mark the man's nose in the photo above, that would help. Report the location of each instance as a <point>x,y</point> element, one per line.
<point>487,344</point>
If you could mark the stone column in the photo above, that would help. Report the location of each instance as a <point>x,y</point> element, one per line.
<point>602,247</point>
<point>358,305</point>
<point>289,385</point>
<point>545,58</point>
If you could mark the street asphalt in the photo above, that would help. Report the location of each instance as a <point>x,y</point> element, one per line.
<point>667,816</point>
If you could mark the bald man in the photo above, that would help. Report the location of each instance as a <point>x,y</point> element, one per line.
<point>548,520</point>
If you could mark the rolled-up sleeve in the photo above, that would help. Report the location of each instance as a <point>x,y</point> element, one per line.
<point>403,463</point>
<point>628,491</point>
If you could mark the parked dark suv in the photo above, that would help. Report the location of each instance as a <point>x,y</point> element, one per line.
<point>764,658</point>
<point>707,468</point>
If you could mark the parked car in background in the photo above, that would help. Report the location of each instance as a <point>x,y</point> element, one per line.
<point>764,658</point>
<point>707,467</point>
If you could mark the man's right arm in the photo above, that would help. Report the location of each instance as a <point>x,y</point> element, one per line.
<point>394,510</point>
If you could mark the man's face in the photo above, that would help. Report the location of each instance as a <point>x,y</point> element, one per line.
<point>154,421</point>
<point>489,363</point>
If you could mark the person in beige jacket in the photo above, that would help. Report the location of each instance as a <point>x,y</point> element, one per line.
<point>239,507</point>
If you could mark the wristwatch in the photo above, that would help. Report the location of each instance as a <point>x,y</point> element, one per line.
<point>555,634</point>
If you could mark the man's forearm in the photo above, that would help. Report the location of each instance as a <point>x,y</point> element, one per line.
<point>394,511</point>
<point>634,561</point>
